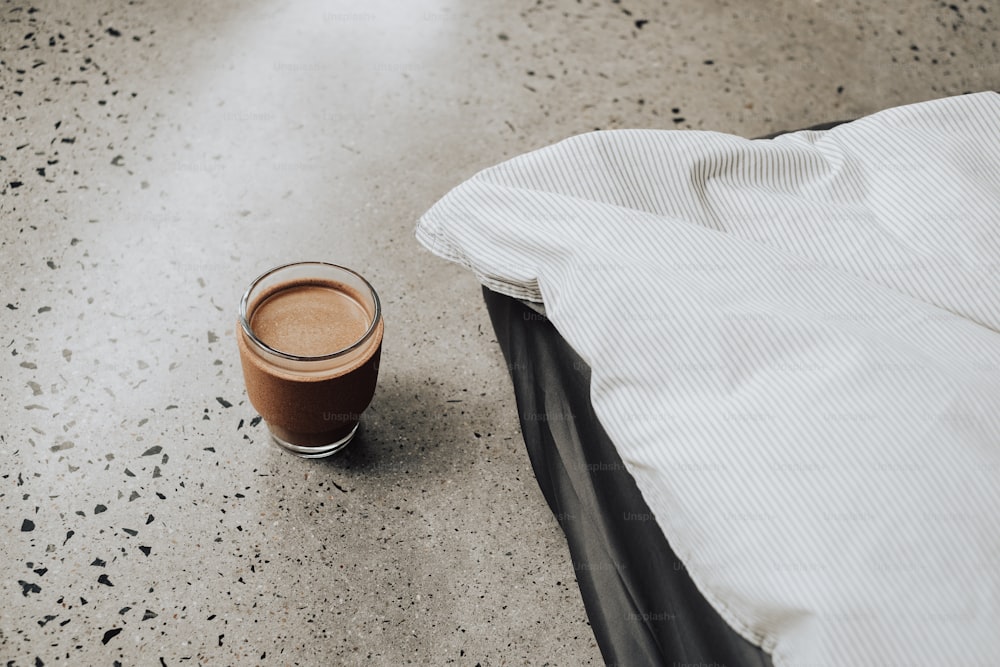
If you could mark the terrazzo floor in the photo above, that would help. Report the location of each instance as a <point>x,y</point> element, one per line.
<point>155,157</point>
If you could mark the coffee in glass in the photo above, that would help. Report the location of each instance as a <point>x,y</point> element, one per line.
<point>310,341</point>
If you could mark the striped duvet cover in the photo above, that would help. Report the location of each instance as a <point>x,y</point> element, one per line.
<point>795,347</point>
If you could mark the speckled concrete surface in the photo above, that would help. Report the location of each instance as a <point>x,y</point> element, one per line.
<point>155,157</point>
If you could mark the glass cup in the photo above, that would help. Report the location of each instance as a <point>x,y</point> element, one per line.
<point>310,340</point>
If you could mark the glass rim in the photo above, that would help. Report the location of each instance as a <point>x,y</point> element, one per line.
<point>245,322</point>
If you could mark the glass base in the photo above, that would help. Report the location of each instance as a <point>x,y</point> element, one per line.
<point>316,451</point>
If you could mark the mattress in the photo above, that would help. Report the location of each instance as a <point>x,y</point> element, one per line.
<point>794,350</point>
<point>641,603</point>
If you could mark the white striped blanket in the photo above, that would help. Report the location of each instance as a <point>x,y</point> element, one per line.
<point>795,346</point>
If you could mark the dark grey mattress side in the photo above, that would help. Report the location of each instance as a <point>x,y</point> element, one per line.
<point>642,605</point>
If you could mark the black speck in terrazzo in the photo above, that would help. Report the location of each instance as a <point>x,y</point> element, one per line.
<point>28,587</point>
<point>256,420</point>
<point>131,531</point>
<point>709,62</point>
<point>212,337</point>
<point>223,402</point>
<point>640,23</point>
<point>134,496</point>
<point>156,472</point>
<point>27,526</point>
<point>124,610</point>
<point>99,563</point>
<point>100,508</point>
<point>118,161</point>
<point>51,264</point>
<point>103,579</point>
<point>47,619</point>
<point>150,519</point>
<point>110,634</point>
<point>156,449</point>
<point>146,550</point>
<point>129,473</point>
<point>113,32</point>
<point>69,534</point>
<point>148,615</point>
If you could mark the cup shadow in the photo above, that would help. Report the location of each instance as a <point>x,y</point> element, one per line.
<point>404,431</point>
